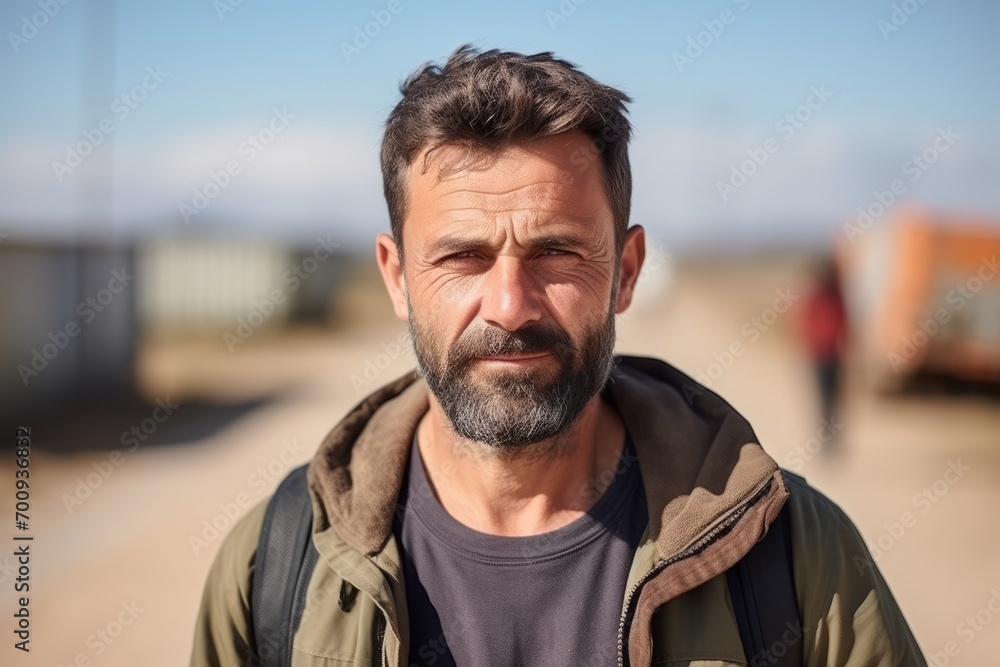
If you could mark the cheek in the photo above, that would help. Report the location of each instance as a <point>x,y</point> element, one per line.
<point>441,291</point>
<point>443,308</point>
<point>454,296</point>
<point>578,301</point>
<point>587,284</point>
<point>450,308</point>
<point>577,312</point>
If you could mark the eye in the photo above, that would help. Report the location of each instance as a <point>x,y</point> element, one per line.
<point>458,256</point>
<point>464,260</point>
<point>556,252</point>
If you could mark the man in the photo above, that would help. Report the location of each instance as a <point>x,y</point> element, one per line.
<point>526,497</point>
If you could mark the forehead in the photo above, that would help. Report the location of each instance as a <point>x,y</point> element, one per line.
<point>553,182</point>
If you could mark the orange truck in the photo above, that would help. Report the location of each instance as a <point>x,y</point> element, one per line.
<point>922,292</point>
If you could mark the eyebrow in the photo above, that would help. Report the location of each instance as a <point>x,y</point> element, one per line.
<point>453,243</point>
<point>456,243</point>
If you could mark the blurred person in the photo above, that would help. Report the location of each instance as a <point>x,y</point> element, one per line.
<point>527,497</point>
<point>823,327</point>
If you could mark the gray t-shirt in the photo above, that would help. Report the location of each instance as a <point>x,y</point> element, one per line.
<point>552,599</point>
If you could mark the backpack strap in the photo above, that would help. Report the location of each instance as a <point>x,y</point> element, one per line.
<point>283,566</point>
<point>762,588</point>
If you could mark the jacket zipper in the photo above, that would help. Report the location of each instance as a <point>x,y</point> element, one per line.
<point>697,546</point>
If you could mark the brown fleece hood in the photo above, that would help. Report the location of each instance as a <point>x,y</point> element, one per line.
<point>710,487</point>
<point>698,456</point>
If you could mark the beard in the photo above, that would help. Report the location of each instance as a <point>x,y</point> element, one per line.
<point>511,409</point>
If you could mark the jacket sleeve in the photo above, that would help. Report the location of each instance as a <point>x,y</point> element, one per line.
<point>223,635</point>
<point>849,615</point>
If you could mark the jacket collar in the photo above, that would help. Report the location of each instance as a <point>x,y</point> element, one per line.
<point>698,457</point>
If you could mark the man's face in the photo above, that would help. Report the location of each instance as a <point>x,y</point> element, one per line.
<point>510,287</point>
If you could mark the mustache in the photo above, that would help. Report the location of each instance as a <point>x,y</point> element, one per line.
<point>493,342</point>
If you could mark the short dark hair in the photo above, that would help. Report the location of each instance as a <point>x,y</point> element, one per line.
<point>490,100</point>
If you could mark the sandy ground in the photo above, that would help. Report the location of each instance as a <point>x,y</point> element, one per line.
<point>117,576</point>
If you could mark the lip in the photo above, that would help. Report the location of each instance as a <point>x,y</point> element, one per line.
<point>516,359</point>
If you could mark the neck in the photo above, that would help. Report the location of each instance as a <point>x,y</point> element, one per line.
<point>541,488</point>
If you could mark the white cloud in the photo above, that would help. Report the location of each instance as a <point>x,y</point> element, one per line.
<point>315,175</point>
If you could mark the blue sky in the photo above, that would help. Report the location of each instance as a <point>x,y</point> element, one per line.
<point>227,67</point>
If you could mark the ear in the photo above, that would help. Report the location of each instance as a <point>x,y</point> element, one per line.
<point>387,257</point>
<point>633,254</point>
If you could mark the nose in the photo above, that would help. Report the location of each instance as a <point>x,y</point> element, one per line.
<point>511,296</point>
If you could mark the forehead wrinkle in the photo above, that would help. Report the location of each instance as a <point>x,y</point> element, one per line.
<point>539,227</point>
<point>511,190</point>
<point>550,187</point>
<point>554,214</point>
<point>543,213</point>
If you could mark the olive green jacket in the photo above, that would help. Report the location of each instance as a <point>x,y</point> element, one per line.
<point>711,490</point>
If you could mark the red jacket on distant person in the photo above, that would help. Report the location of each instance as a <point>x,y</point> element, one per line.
<point>823,323</point>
